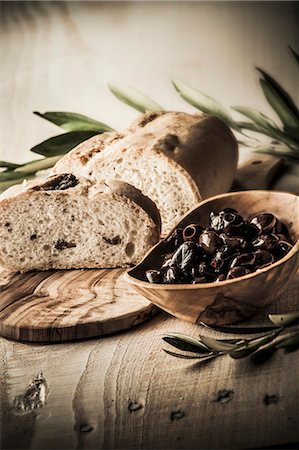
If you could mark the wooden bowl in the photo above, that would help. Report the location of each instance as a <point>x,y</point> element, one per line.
<point>232,300</point>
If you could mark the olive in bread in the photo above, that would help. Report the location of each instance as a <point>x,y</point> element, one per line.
<point>68,222</point>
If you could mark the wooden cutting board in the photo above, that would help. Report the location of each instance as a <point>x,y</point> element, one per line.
<point>55,306</point>
<point>61,305</point>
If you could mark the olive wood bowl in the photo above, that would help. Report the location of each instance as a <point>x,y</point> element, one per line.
<point>227,301</point>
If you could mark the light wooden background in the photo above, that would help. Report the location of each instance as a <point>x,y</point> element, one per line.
<point>61,55</point>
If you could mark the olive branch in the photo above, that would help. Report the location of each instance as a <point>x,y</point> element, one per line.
<point>282,334</point>
<point>284,137</point>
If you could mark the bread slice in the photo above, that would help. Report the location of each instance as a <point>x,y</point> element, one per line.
<point>76,160</point>
<point>175,158</point>
<point>68,222</point>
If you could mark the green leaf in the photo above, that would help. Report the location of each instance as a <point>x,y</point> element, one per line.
<point>134,98</point>
<point>258,118</point>
<point>283,320</point>
<point>186,343</point>
<point>295,54</point>
<point>204,103</point>
<point>251,346</point>
<point>182,356</point>
<point>279,100</point>
<point>6,184</point>
<point>40,164</point>
<point>63,143</point>
<point>271,151</point>
<point>216,345</point>
<point>292,133</point>
<point>10,176</point>
<point>274,133</point>
<point>9,165</point>
<point>73,122</point>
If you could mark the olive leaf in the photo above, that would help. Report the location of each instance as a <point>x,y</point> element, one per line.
<point>295,54</point>
<point>283,320</point>
<point>6,184</point>
<point>10,176</point>
<point>73,122</point>
<point>63,143</point>
<point>274,133</point>
<point>279,100</point>
<point>40,164</point>
<point>273,151</point>
<point>9,165</point>
<point>204,102</point>
<point>181,355</point>
<point>216,345</point>
<point>134,98</point>
<point>251,346</point>
<point>186,343</point>
<point>258,118</point>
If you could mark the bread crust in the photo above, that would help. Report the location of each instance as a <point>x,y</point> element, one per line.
<point>202,145</point>
<point>125,189</point>
<point>75,160</point>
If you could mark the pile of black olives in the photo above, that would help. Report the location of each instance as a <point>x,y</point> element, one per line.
<point>229,248</point>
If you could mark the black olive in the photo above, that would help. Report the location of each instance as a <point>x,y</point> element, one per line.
<point>175,239</point>
<point>230,248</point>
<point>266,242</point>
<point>154,276</point>
<point>233,241</point>
<point>223,257</point>
<point>250,231</point>
<point>282,249</point>
<point>186,256</point>
<point>192,232</point>
<point>199,280</point>
<point>205,270</point>
<point>236,272</point>
<point>246,259</point>
<point>174,275</point>
<point>262,259</point>
<point>265,222</point>
<point>209,241</point>
<point>221,277</point>
<point>217,220</point>
<point>233,224</point>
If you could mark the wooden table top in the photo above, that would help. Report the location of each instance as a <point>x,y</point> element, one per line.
<point>124,391</point>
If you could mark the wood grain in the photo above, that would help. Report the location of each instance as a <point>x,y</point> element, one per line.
<point>68,304</point>
<point>124,392</point>
<point>257,172</point>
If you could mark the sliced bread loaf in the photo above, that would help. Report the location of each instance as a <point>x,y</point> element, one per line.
<point>69,222</point>
<point>175,158</point>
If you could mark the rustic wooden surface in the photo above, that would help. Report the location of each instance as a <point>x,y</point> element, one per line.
<point>54,306</point>
<point>124,392</point>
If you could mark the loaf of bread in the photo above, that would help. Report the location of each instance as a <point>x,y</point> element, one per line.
<point>70,222</point>
<point>176,159</point>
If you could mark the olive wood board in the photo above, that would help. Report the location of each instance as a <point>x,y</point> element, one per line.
<point>61,305</point>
